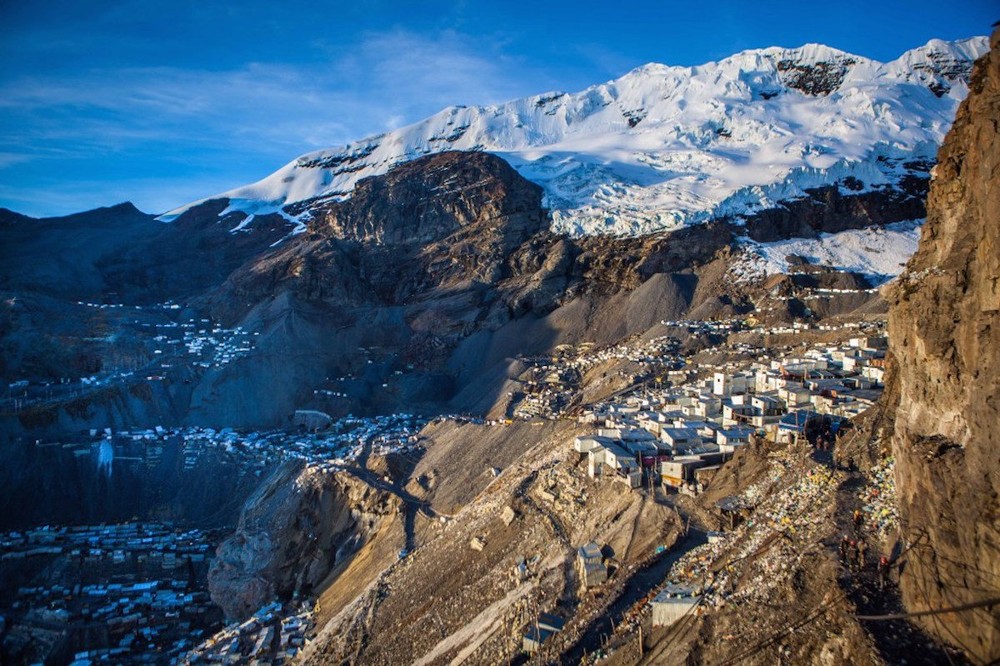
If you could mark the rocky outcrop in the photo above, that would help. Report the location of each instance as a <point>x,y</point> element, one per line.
<point>944,328</point>
<point>830,210</point>
<point>293,530</point>
<point>429,198</point>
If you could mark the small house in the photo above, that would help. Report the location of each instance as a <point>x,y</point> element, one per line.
<point>737,383</point>
<point>680,471</point>
<point>619,458</point>
<point>590,565</point>
<point>540,631</point>
<point>680,438</point>
<point>611,455</point>
<point>673,603</point>
<point>584,443</point>
<point>729,438</point>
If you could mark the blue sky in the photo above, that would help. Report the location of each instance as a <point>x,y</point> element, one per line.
<point>163,102</point>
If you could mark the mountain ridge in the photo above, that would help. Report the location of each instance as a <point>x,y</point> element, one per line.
<point>663,146</point>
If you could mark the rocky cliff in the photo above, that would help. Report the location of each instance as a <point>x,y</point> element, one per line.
<point>944,329</point>
<point>296,527</point>
<point>420,288</point>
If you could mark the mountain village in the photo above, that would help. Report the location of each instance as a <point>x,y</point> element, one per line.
<point>633,375</point>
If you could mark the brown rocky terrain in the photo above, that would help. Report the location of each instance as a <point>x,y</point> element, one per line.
<point>459,594</point>
<point>297,526</point>
<point>444,267</point>
<point>944,325</point>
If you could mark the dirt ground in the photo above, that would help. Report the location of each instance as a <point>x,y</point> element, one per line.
<point>458,596</point>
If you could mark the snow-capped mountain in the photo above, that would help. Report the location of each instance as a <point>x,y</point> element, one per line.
<point>662,147</point>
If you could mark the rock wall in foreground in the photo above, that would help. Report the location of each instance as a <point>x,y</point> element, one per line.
<point>293,530</point>
<point>944,329</point>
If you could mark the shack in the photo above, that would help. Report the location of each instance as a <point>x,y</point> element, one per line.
<point>673,603</point>
<point>679,471</point>
<point>540,630</point>
<point>590,564</point>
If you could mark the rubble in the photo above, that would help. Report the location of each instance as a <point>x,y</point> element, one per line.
<point>879,499</point>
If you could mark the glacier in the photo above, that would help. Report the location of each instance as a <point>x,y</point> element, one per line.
<point>664,146</point>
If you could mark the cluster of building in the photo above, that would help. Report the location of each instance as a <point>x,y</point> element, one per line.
<point>339,443</point>
<point>752,323</point>
<point>680,435</point>
<point>153,541</point>
<point>273,635</point>
<point>163,340</point>
<point>144,584</point>
<point>659,350</point>
<point>552,382</point>
<point>205,344</point>
<point>547,393</point>
<point>218,346</point>
<point>124,593</point>
<point>25,393</point>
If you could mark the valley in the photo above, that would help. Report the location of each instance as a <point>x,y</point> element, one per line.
<point>459,394</point>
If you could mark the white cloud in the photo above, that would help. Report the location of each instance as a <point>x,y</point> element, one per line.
<point>259,114</point>
<point>389,79</point>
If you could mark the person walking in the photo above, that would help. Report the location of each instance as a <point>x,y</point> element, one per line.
<point>858,519</point>
<point>862,551</point>
<point>883,572</point>
<point>842,547</point>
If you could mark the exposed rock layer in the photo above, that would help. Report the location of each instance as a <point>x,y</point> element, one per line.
<point>944,329</point>
<point>298,525</point>
<point>443,269</point>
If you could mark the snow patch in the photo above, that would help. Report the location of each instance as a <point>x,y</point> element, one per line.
<point>879,253</point>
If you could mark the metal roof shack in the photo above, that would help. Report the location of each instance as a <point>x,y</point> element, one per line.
<point>590,563</point>
<point>540,630</point>
<point>673,603</point>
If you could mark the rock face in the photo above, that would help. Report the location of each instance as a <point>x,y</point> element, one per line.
<point>944,329</point>
<point>428,199</point>
<point>442,269</point>
<point>297,526</point>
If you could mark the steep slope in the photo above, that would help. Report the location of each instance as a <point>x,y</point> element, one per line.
<point>944,327</point>
<point>414,294</point>
<point>475,578</point>
<point>297,526</point>
<point>663,146</point>
<point>60,254</point>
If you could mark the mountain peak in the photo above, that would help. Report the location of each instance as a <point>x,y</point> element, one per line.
<point>663,146</point>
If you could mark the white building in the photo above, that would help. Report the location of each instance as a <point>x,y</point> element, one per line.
<point>730,438</point>
<point>724,384</point>
<point>680,438</point>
